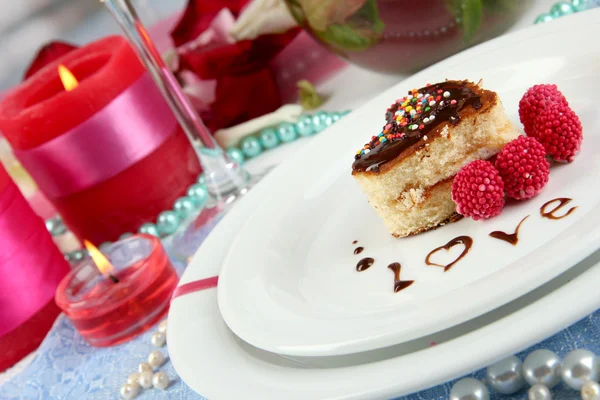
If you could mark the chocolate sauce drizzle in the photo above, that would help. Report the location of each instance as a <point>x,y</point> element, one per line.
<point>563,201</point>
<point>464,240</point>
<point>358,250</point>
<point>512,238</point>
<point>364,264</point>
<point>399,284</point>
<point>380,153</point>
<point>354,242</point>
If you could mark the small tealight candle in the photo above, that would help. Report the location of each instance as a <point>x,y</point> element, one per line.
<point>116,295</point>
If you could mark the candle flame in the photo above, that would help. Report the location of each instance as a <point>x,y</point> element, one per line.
<point>67,78</point>
<point>102,263</point>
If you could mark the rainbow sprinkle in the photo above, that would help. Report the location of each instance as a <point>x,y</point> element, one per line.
<point>411,114</point>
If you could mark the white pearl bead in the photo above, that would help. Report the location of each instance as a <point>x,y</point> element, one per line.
<point>505,376</point>
<point>144,366</point>
<point>133,379</point>
<point>145,379</point>
<point>542,366</point>
<point>539,392</point>
<point>162,327</point>
<point>158,339</point>
<point>590,391</point>
<point>160,380</point>
<point>156,358</point>
<point>578,367</point>
<point>469,389</point>
<point>128,391</point>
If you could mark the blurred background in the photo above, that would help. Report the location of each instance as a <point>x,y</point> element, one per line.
<point>26,25</point>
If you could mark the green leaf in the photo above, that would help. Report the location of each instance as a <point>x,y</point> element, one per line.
<point>344,37</point>
<point>471,16</point>
<point>368,18</point>
<point>296,11</point>
<point>362,30</point>
<point>323,13</point>
<point>454,7</point>
<point>503,6</point>
<point>309,97</point>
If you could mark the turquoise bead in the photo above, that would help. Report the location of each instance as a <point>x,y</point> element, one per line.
<point>236,155</point>
<point>268,138</point>
<point>201,180</point>
<point>167,222</point>
<point>210,152</point>
<point>125,235</point>
<point>197,194</point>
<point>104,246</point>
<point>287,132</point>
<point>149,229</point>
<point>55,226</point>
<point>304,126</point>
<point>543,18</point>
<point>335,116</point>
<point>579,5</point>
<point>78,255</point>
<point>561,8</point>
<point>184,206</point>
<point>251,147</point>
<point>321,120</point>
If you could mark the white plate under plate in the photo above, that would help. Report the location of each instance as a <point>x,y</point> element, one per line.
<point>289,283</point>
<point>218,365</point>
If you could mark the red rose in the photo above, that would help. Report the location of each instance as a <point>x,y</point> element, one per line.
<point>246,88</point>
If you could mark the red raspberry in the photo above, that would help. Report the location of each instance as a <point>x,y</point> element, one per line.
<point>558,129</point>
<point>523,167</point>
<point>534,101</point>
<point>478,190</point>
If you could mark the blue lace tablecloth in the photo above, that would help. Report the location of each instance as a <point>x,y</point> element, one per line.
<point>67,368</point>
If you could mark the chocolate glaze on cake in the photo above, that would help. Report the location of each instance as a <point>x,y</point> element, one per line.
<point>443,102</point>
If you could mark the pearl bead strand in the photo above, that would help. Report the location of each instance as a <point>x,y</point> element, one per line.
<point>542,369</point>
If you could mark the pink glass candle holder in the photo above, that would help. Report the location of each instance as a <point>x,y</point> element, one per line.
<point>108,311</point>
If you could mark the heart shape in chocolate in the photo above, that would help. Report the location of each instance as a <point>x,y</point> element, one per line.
<point>464,240</point>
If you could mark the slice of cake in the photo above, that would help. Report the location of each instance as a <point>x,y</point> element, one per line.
<point>407,169</point>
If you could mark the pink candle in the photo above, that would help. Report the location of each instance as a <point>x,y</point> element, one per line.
<point>107,150</point>
<point>30,269</point>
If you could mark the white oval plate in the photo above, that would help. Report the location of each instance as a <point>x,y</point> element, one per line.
<point>289,283</point>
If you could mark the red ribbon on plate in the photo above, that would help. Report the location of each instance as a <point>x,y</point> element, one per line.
<point>195,286</point>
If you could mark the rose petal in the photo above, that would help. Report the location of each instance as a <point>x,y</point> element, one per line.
<point>47,54</point>
<point>235,59</point>
<point>244,97</point>
<point>198,16</point>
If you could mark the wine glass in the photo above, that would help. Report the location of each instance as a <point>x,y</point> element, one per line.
<point>226,180</point>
